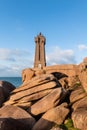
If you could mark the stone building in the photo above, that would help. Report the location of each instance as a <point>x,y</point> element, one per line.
<point>40,63</point>
<point>40,58</point>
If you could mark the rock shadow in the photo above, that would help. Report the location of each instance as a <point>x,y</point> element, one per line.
<point>59,75</point>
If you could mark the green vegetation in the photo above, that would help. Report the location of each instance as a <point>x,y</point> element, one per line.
<point>77,84</point>
<point>68,125</point>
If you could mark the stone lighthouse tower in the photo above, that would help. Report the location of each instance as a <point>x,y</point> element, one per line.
<point>40,58</point>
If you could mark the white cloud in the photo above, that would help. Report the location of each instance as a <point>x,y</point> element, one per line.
<point>82,47</point>
<point>59,56</point>
<point>13,61</point>
<point>12,55</point>
<point>6,71</point>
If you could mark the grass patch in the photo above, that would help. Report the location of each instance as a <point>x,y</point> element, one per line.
<point>68,125</point>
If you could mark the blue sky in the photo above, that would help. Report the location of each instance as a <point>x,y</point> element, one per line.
<point>62,22</point>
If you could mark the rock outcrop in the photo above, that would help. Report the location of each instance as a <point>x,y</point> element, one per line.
<point>17,114</point>
<point>40,97</point>
<point>78,99</point>
<point>54,115</point>
<point>33,90</point>
<point>44,101</point>
<point>47,102</point>
<point>79,117</point>
<point>83,79</point>
<point>27,75</point>
<point>5,89</point>
<point>11,124</point>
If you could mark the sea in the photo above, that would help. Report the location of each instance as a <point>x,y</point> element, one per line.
<point>16,81</point>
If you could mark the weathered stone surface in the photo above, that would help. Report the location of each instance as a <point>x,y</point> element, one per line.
<point>79,115</point>
<point>47,102</point>
<point>2,97</point>
<point>73,80</point>
<point>29,98</point>
<point>23,105</point>
<point>36,96</point>
<point>30,91</point>
<point>79,118</point>
<point>80,103</point>
<point>11,124</point>
<point>5,89</point>
<point>9,102</point>
<point>36,81</point>
<point>54,115</point>
<point>57,114</point>
<point>18,114</point>
<point>83,79</point>
<point>77,94</point>
<point>27,74</point>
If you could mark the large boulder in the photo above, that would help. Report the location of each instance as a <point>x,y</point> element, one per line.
<point>23,105</point>
<point>36,96</point>
<point>5,89</point>
<point>25,102</point>
<point>82,103</point>
<point>18,114</point>
<point>11,124</point>
<point>32,90</point>
<point>77,94</point>
<point>47,102</point>
<point>79,118</point>
<point>2,96</point>
<point>79,114</point>
<point>54,115</point>
<point>36,81</point>
<point>27,74</point>
<point>83,79</point>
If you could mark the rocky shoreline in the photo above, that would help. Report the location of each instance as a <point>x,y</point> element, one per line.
<point>44,102</point>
